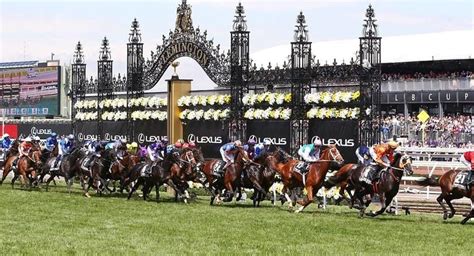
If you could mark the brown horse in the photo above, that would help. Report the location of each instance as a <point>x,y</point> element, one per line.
<point>232,175</point>
<point>387,188</point>
<point>284,165</point>
<point>341,179</point>
<point>9,158</point>
<point>214,184</point>
<point>27,167</point>
<point>450,192</point>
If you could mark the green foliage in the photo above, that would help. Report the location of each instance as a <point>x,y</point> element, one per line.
<point>55,222</point>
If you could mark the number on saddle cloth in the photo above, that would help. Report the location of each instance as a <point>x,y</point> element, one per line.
<point>218,168</point>
<point>302,167</point>
<point>463,178</point>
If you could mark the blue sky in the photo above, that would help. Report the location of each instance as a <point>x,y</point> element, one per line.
<point>32,30</point>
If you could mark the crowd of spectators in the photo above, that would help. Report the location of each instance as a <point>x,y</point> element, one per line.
<point>430,75</point>
<point>448,131</point>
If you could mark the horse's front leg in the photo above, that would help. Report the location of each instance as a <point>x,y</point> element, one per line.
<point>307,200</point>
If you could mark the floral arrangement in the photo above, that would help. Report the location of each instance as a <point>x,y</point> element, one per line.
<point>114,116</point>
<point>327,113</point>
<point>269,113</point>
<point>331,97</point>
<point>150,115</point>
<point>203,100</point>
<point>150,102</point>
<point>267,97</point>
<point>86,116</point>
<point>211,114</point>
<point>86,104</point>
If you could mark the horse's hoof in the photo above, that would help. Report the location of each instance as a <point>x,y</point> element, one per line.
<point>370,214</point>
<point>451,215</point>
<point>87,195</point>
<point>464,221</point>
<point>445,215</point>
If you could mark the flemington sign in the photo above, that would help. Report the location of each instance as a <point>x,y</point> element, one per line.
<point>187,49</point>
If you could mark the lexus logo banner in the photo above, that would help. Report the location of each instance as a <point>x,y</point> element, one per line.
<point>86,130</point>
<point>275,130</point>
<point>209,135</point>
<point>343,133</point>
<point>147,132</point>
<point>44,130</point>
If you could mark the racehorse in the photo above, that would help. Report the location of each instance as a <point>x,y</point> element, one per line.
<point>47,159</point>
<point>340,179</point>
<point>451,192</point>
<point>9,158</point>
<point>100,171</point>
<point>284,165</point>
<point>388,186</point>
<point>27,167</point>
<point>69,168</point>
<point>232,175</point>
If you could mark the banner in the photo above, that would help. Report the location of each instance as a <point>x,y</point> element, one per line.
<point>86,130</point>
<point>278,131</point>
<point>43,130</point>
<point>209,135</point>
<point>343,133</point>
<point>11,129</point>
<point>114,130</point>
<point>147,132</point>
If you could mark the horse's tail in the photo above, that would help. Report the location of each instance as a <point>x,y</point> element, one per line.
<point>428,181</point>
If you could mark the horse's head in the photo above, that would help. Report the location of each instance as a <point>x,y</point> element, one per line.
<point>281,155</point>
<point>403,162</point>
<point>331,153</point>
<point>241,155</point>
<point>197,152</point>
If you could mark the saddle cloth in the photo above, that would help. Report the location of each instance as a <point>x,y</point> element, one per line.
<point>301,167</point>
<point>368,174</point>
<point>463,178</point>
<point>217,169</point>
<point>144,172</point>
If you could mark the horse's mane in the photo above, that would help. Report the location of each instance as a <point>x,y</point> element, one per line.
<point>396,157</point>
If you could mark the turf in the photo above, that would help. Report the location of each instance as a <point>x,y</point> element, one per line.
<point>57,223</point>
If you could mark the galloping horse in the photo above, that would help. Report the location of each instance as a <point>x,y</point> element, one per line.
<point>388,186</point>
<point>9,158</point>
<point>27,167</point>
<point>284,165</point>
<point>450,192</point>
<point>341,179</point>
<point>232,175</point>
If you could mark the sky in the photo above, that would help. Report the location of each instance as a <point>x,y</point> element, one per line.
<point>32,30</point>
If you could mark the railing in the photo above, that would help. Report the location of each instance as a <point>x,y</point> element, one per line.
<point>445,84</point>
<point>413,136</point>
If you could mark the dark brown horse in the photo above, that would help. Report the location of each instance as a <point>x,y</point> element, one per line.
<point>9,158</point>
<point>341,179</point>
<point>386,188</point>
<point>232,175</point>
<point>451,192</point>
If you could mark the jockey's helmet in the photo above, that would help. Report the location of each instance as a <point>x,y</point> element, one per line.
<point>134,145</point>
<point>70,136</point>
<point>178,144</point>
<point>54,134</point>
<point>6,135</point>
<point>192,144</point>
<point>28,139</point>
<point>393,144</point>
<point>251,142</point>
<point>238,143</point>
<point>317,141</point>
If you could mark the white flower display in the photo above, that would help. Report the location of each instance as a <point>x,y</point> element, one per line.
<point>268,113</point>
<point>211,114</point>
<point>149,115</point>
<point>328,113</point>
<point>331,97</point>
<point>266,98</point>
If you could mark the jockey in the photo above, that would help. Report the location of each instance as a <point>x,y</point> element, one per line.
<point>24,150</point>
<point>155,151</point>
<point>51,141</point>
<point>65,147</point>
<point>382,155</point>
<point>94,148</point>
<point>191,145</point>
<point>250,148</point>
<point>310,152</point>
<point>119,146</point>
<point>363,155</point>
<point>468,159</point>
<point>228,152</point>
<point>6,142</point>
<point>132,148</point>
<point>262,148</point>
